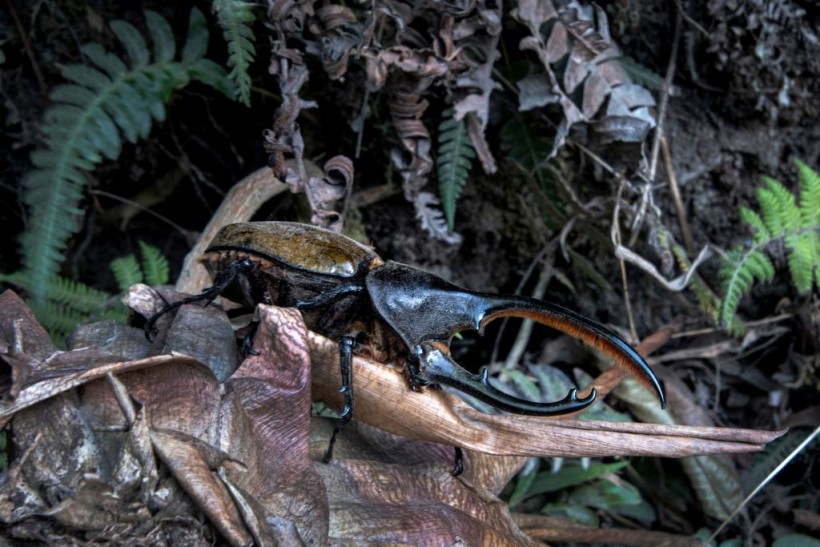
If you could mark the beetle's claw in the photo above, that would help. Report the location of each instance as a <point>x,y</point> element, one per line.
<point>435,366</point>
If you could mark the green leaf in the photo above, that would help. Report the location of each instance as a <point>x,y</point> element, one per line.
<point>572,476</point>
<point>126,272</point>
<point>235,17</point>
<point>133,42</point>
<point>604,494</point>
<point>110,63</point>
<point>781,219</point>
<point>154,265</point>
<point>455,155</point>
<point>196,44</point>
<point>522,486</point>
<point>523,383</point>
<point>576,513</point>
<point>796,540</point>
<point>213,75</point>
<point>162,36</point>
<point>90,118</point>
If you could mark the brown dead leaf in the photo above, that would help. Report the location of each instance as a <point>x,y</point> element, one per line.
<point>239,452</point>
<point>575,51</point>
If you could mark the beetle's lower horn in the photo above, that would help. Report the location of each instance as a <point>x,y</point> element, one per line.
<point>436,367</point>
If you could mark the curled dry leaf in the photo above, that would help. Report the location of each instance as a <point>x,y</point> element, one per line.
<point>458,51</point>
<point>577,53</point>
<point>342,34</point>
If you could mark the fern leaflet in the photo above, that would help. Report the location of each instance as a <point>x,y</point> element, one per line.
<point>126,271</point>
<point>524,146</point>
<point>781,220</point>
<point>153,271</point>
<point>67,305</point>
<point>235,17</point>
<point>154,265</point>
<point>103,105</point>
<point>455,155</point>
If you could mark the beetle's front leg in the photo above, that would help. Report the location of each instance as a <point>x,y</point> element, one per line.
<point>223,280</point>
<point>346,344</point>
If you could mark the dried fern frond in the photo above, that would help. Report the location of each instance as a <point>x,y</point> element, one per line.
<point>104,104</point>
<point>781,220</point>
<point>455,157</point>
<point>235,18</point>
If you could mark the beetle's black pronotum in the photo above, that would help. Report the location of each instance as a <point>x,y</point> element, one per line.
<point>347,293</point>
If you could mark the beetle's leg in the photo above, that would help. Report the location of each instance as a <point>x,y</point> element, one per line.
<point>209,295</point>
<point>458,464</point>
<point>346,363</point>
<point>247,340</point>
<point>328,297</point>
<point>437,367</point>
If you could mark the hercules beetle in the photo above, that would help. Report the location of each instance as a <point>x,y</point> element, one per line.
<point>386,309</point>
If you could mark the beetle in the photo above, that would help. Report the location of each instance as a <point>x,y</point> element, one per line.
<point>386,310</point>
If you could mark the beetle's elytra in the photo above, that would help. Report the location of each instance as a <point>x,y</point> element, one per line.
<point>346,292</point>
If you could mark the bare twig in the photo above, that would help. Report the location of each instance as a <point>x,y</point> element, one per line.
<point>239,205</point>
<point>666,89</point>
<point>41,81</point>
<point>673,188</point>
<point>616,227</point>
<point>765,481</point>
<point>136,205</point>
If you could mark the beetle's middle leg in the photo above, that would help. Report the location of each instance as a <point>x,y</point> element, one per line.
<point>346,344</point>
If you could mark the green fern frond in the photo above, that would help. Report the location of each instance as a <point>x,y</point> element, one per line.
<point>455,155</point>
<point>126,272</point>
<point>707,299</point>
<point>153,271</point>
<point>235,17</point>
<point>524,146</point>
<point>772,456</point>
<point>738,272</point>
<point>782,220</point>
<point>77,296</point>
<point>809,194</point>
<point>759,231</point>
<point>67,305</point>
<point>810,213</point>
<point>59,320</point>
<point>154,265</point>
<point>63,291</point>
<point>91,116</point>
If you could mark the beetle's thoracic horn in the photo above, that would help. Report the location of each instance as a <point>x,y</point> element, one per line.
<point>435,366</point>
<point>574,324</point>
